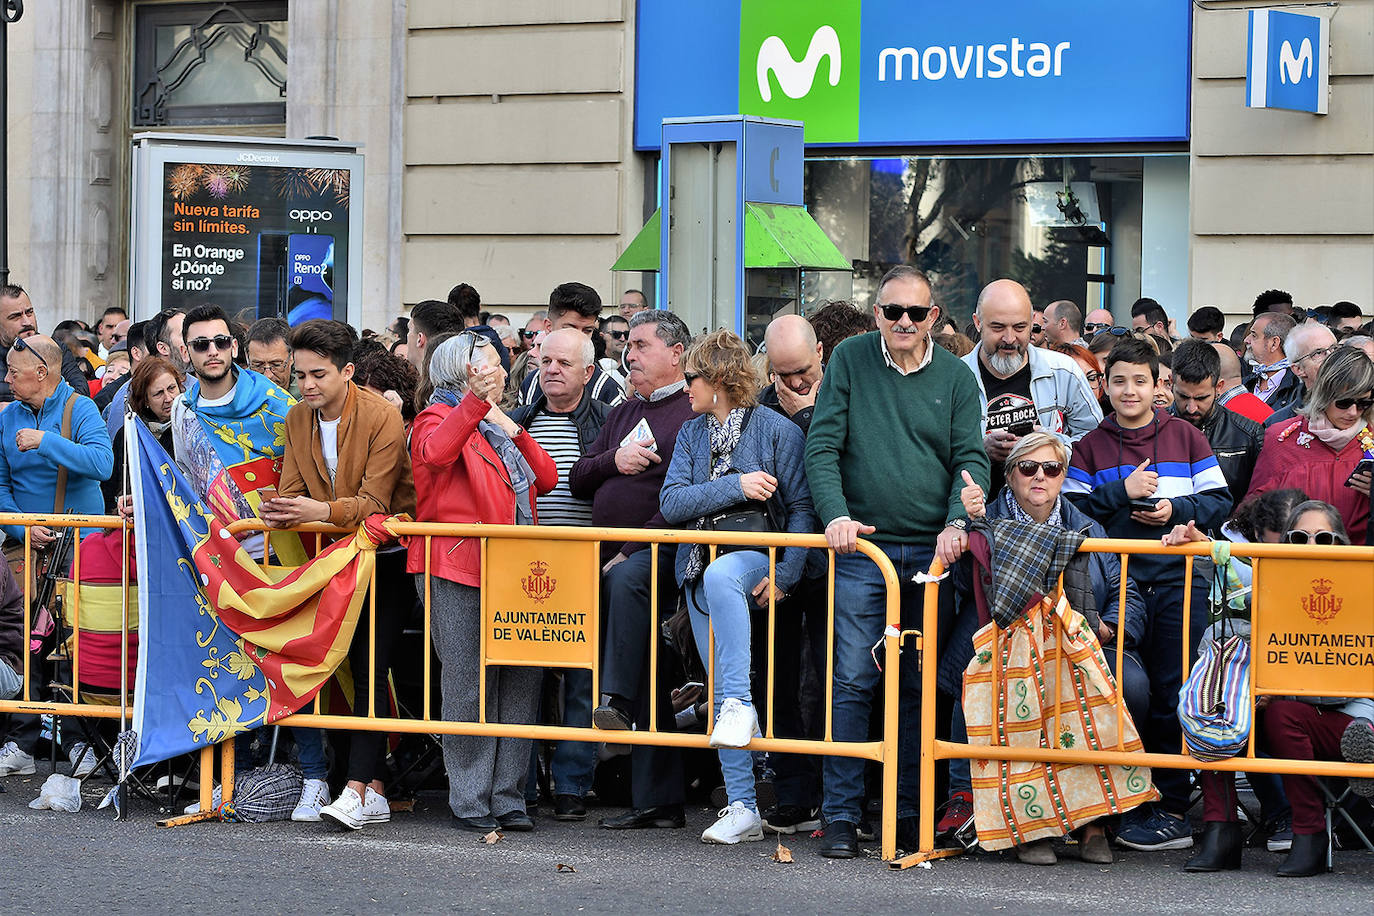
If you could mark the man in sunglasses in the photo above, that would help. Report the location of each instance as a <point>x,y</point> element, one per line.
<point>1306,348</point>
<point>1022,388</point>
<point>1098,320</point>
<point>615,332</point>
<point>18,320</point>
<point>896,421</point>
<point>1235,440</point>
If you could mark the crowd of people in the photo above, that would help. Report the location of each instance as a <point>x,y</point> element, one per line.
<point>887,423</point>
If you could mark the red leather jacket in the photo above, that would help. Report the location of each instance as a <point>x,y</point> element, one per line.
<point>459,478</point>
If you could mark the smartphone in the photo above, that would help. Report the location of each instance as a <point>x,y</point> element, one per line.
<point>267,493</point>
<point>1143,505</point>
<point>697,684</point>
<point>1366,466</point>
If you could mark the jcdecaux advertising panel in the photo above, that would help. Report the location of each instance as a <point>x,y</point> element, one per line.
<point>898,72</point>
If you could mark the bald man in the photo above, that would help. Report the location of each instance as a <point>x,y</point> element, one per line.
<point>18,320</point>
<point>1231,390</point>
<point>794,359</point>
<point>1097,320</point>
<point>1023,388</point>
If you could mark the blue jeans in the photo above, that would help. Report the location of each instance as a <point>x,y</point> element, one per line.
<point>11,682</point>
<point>860,616</point>
<point>722,601</point>
<point>574,762</point>
<point>310,749</point>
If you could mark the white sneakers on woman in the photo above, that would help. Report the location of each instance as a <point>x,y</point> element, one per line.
<point>352,812</point>
<point>314,796</point>
<point>736,724</point>
<point>737,824</point>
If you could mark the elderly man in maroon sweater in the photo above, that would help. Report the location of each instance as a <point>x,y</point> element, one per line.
<point>622,474</point>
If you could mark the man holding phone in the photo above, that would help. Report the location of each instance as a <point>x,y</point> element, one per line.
<point>1023,388</point>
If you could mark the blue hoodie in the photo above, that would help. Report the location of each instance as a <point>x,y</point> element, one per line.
<point>28,480</point>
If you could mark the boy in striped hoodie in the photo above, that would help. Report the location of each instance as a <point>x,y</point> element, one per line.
<point>1140,472</point>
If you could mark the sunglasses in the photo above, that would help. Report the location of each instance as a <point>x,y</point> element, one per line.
<point>618,335</point>
<point>1346,403</point>
<point>475,341</point>
<point>1322,538</point>
<point>202,344</point>
<point>1037,329</point>
<point>690,377</point>
<point>1092,327</point>
<point>528,335</point>
<point>1116,331</point>
<point>917,313</point>
<point>1052,469</point>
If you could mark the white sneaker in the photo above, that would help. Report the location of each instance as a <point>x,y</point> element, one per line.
<point>737,824</point>
<point>83,759</point>
<point>194,807</point>
<point>350,811</point>
<point>314,796</point>
<point>14,762</point>
<point>736,724</point>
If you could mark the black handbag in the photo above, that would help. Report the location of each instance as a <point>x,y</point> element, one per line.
<point>748,516</point>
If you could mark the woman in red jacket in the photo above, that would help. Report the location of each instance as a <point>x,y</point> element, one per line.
<point>473,464</point>
<point>1319,451</point>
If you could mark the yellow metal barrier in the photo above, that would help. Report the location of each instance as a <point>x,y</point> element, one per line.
<point>882,751</point>
<point>1263,607</point>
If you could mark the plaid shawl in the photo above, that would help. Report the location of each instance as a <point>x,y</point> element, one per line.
<point>1018,563</point>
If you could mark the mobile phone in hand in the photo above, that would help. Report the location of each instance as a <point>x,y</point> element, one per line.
<point>1143,505</point>
<point>1366,466</point>
<point>267,493</point>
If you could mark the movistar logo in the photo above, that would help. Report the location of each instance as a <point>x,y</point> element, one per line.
<point>1290,66</point>
<point>796,77</point>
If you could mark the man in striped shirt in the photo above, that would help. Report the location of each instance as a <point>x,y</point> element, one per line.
<point>565,421</point>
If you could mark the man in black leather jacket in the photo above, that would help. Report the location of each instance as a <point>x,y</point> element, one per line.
<point>1235,440</point>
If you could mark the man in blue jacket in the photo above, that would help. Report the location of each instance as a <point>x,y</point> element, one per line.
<point>32,452</point>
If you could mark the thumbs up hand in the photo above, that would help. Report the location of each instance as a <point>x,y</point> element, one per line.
<point>973,497</point>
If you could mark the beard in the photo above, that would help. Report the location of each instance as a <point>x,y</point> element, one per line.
<point>1005,362</point>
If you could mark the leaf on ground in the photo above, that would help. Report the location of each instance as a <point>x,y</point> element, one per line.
<point>404,804</point>
<point>564,869</point>
<point>782,854</point>
<point>492,838</point>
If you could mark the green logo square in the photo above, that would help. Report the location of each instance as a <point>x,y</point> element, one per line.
<point>799,59</point>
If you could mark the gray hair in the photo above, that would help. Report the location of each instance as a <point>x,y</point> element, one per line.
<point>448,366</point>
<point>1333,517</point>
<point>586,350</point>
<point>1299,341</point>
<point>1029,443</point>
<point>1346,373</point>
<point>671,329</point>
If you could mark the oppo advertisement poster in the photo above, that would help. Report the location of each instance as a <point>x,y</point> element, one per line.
<point>249,229</point>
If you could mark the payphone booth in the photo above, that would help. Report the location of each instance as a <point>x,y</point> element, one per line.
<point>731,240</point>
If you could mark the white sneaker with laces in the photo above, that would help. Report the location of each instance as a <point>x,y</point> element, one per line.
<point>736,724</point>
<point>350,811</point>
<point>83,759</point>
<point>737,824</point>
<point>215,798</point>
<point>14,762</point>
<point>314,796</point>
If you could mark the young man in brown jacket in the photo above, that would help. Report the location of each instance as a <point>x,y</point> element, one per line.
<point>346,459</point>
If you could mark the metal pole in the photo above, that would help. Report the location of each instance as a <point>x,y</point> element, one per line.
<point>10,11</point>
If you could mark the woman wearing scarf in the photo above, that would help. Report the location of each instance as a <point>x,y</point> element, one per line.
<point>474,465</point>
<point>733,455</point>
<point>153,389</point>
<point>1318,452</point>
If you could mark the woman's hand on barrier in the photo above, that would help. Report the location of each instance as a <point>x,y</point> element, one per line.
<point>41,535</point>
<point>125,507</point>
<point>761,592</point>
<point>1142,483</point>
<point>1183,534</point>
<point>1158,516</point>
<point>28,439</point>
<point>973,497</point>
<point>758,485</point>
<point>843,534</point>
<point>289,511</point>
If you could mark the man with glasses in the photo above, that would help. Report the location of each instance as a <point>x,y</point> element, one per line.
<point>615,332</point>
<point>1037,328</point>
<point>1235,440</point>
<point>632,302</point>
<point>1021,387</point>
<point>1347,317</point>
<point>896,422</point>
<point>576,306</point>
<point>46,469</point>
<point>269,353</point>
<point>1306,348</point>
<point>1097,320</point>
<point>111,319</point>
<point>18,320</point>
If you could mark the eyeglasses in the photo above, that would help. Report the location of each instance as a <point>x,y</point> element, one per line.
<point>202,344</point>
<point>690,377</point>
<point>1092,377</point>
<point>528,335</point>
<point>1092,327</point>
<point>618,335</point>
<point>1315,353</point>
<point>917,313</point>
<point>261,367</point>
<point>1322,538</point>
<point>1052,469</point>
<point>475,341</point>
<point>1037,329</point>
<point>1346,403</point>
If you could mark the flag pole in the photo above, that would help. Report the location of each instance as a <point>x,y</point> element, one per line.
<point>131,452</point>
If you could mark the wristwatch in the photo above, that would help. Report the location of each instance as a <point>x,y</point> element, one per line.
<point>961,523</point>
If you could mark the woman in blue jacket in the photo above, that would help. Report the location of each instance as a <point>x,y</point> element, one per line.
<point>733,456</point>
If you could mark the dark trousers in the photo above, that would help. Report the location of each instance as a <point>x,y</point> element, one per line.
<point>797,709</point>
<point>655,772</point>
<point>1163,658</point>
<point>395,596</point>
<point>1301,731</point>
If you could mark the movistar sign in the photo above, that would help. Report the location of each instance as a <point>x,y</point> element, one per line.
<point>907,72</point>
<point>1288,61</point>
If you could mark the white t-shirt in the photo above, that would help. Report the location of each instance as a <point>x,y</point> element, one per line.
<point>329,444</point>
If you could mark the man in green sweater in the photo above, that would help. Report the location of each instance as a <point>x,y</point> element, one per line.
<point>896,421</point>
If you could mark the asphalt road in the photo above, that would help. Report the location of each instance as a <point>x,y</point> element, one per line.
<point>419,864</point>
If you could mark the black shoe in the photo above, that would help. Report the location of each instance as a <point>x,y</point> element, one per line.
<point>476,824</point>
<point>516,822</point>
<point>1306,858</point>
<point>612,715</point>
<point>569,808</point>
<point>841,841</point>
<point>790,819</point>
<point>666,816</point>
<point>1218,849</point>
<point>909,834</point>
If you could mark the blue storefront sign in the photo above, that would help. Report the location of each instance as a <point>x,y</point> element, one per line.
<point>897,72</point>
<point>1288,62</point>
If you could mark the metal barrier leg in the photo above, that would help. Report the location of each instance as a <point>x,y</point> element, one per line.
<point>207,780</point>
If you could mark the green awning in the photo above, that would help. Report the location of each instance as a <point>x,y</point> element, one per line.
<point>775,235</point>
<point>643,253</point>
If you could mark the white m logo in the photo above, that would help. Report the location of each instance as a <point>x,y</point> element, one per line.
<point>1290,67</point>
<point>796,77</point>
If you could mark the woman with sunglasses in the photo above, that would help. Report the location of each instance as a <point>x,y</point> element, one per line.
<point>733,456</point>
<point>474,465</point>
<point>1035,475</point>
<point>1321,452</point>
